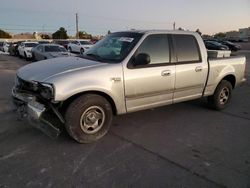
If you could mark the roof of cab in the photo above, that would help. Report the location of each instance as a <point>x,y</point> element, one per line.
<point>160,31</point>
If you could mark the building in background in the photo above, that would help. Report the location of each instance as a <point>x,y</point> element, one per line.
<point>244,34</point>
<point>240,35</point>
<point>232,35</point>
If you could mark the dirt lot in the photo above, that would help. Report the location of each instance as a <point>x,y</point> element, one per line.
<point>183,145</point>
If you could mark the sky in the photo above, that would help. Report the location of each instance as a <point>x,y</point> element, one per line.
<point>99,16</point>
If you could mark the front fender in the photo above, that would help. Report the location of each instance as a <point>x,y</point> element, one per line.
<point>99,79</point>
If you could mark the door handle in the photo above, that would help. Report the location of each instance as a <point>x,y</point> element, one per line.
<point>198,69</point>
<point>166,73</point>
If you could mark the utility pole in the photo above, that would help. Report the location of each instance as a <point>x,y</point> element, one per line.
<point>174,25</point>
<point>77,31</point>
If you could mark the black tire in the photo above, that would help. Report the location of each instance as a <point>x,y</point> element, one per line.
<point>222,96</point>
<point>20,56</point>
<point>84,111</point>
<point>81,51</point>
<point>33,57</point>
<point>70,50</point>
<point>25,56</point>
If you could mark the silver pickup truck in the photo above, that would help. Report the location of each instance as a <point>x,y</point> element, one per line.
<point>125,72</point>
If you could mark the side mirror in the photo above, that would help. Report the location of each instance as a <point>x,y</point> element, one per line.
<point>142,59</point>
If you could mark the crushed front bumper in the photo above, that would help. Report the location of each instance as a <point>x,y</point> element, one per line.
<point>27,107</point>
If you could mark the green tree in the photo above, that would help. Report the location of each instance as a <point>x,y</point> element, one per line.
<point>84,35</point>
<point>220,35</point>
<point>60,34</point>
<point>4,34</point>
<point>205,36</point>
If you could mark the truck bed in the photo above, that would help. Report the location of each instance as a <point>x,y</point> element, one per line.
<point>233,65</point>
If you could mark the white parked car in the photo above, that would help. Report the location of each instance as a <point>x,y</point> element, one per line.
<point>6,46</point>
<point>25,49</point>
<point>48,51</point>
<point>79,46</point>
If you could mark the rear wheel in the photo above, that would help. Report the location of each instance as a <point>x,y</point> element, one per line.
<point>88,118</point>
<point>222,95</point>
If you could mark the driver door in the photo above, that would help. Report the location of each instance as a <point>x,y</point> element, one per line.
<point>151,85</point>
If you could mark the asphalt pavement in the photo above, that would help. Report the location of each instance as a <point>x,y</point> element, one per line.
<point>182,145</point>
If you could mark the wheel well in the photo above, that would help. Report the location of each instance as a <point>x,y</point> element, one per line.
<point>231,79</point>
<point>67,102</point>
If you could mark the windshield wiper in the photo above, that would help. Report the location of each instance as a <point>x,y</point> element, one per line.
<point>97,57</point>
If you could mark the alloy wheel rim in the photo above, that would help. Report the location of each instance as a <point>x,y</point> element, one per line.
<point>224,95</point>
<point>92,119</point>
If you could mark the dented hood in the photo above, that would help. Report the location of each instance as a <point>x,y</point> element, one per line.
<point>43,70</point>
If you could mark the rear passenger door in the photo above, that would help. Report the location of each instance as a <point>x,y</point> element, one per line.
<point>191,69</point>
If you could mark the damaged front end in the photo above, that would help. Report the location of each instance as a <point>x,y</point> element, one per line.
<point>33,101</point>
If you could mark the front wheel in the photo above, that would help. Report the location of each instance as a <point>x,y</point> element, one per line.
<point>25,56</point>
<point>81,51</point>
<point>88,118</point>
<point>222,96</point>
<point>70,50</point>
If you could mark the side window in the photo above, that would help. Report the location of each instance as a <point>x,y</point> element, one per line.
<point>157,47</point>
<point>73,42</point>
<point>40,48</point>
<point>186,48</point>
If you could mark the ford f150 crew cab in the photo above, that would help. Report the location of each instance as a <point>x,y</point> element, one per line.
<point>125,72</point>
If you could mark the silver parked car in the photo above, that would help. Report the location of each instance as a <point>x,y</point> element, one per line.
<point>48,51</point>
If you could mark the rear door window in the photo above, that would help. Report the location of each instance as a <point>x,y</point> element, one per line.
<point>186,48</point>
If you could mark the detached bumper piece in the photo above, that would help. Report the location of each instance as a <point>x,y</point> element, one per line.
<point>38,114</point>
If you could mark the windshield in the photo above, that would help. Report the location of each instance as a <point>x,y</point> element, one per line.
<point>113,48</point>
<point>85,42</point>
<point>54,49</point>
<point>30,44</point>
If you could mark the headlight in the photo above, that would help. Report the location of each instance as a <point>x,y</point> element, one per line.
<point>29,51</point>
<point>46,90</point>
